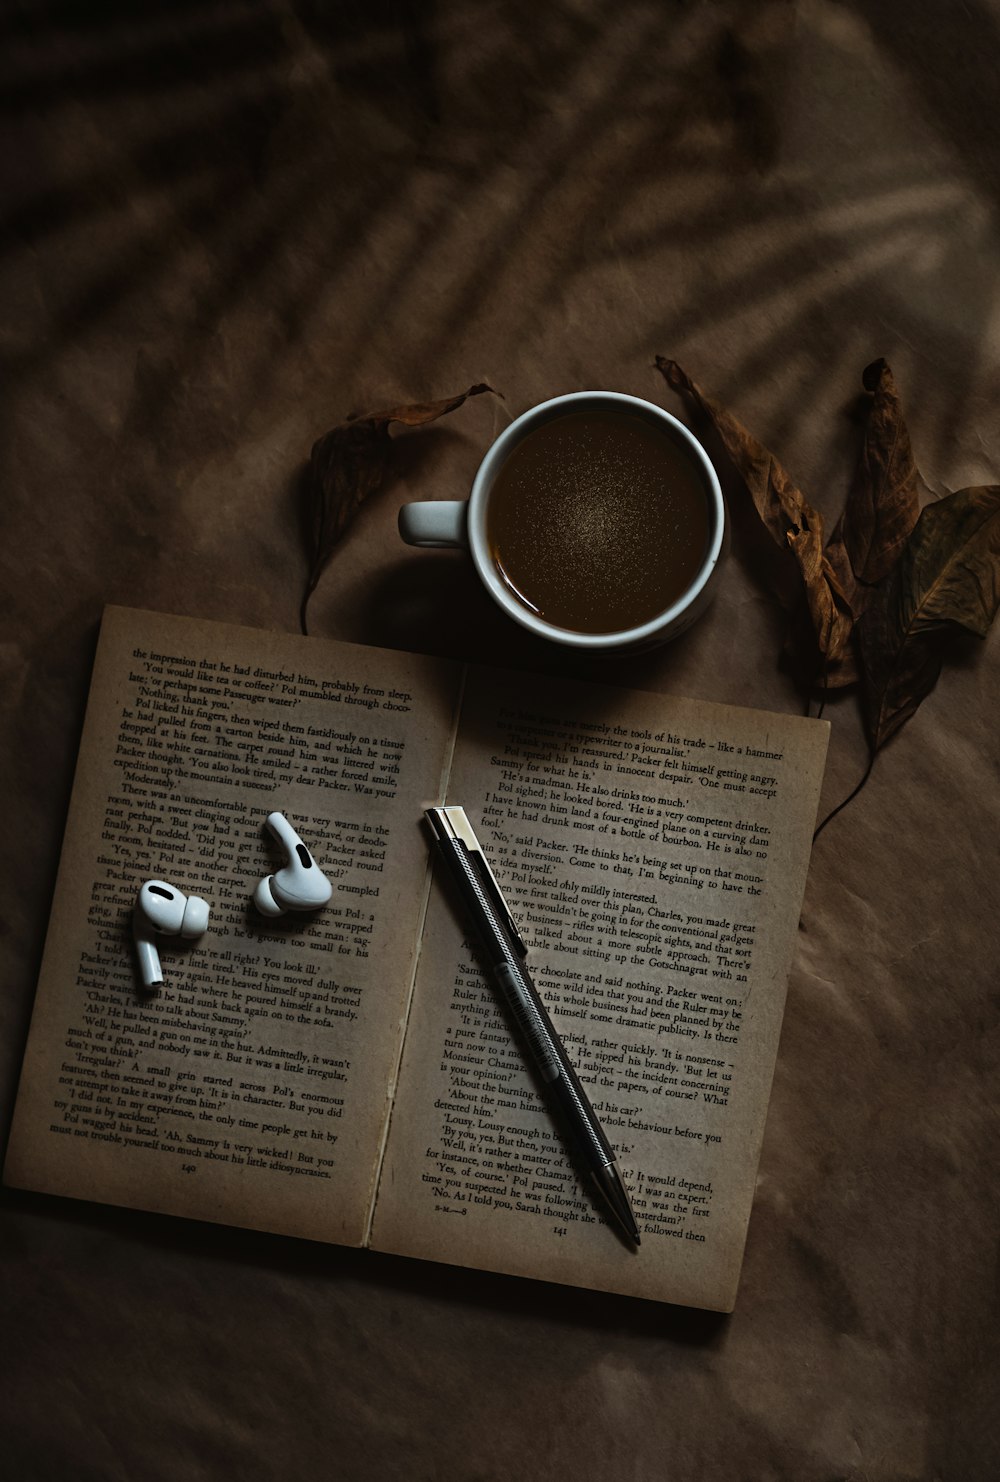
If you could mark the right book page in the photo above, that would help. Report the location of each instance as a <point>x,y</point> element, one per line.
<point>654,853</point>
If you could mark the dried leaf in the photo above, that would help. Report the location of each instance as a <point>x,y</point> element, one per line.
<point>346,466</point>
<point>883,502</point>
<point>791,521</point>
<point>947,579</point>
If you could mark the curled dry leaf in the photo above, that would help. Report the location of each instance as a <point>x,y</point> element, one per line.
<point>792,522</point>
<point>947,578</point>
<point>900,582</point>
<point>347,465</point>
<point>883,502</point>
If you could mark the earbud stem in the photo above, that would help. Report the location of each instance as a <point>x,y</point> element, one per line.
<point>150,970</point>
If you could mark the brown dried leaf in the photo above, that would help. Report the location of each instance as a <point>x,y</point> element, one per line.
<point>347,465</point>
<point>947,578</point>
<point>793,524</point>
<point>883,502</point>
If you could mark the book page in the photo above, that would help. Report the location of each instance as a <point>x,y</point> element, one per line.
<point>251,1089</point>
<point>653,852</point>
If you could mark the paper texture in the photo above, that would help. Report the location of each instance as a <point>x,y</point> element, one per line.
<point>657,849</point>
<point>654,852</point>
<point>252,1088</point>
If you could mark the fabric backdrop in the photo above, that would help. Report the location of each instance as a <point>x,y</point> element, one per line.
<point>225,226</point>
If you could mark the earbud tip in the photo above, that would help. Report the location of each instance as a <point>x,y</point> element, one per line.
<point>265,901</point>
<point>196,914</point>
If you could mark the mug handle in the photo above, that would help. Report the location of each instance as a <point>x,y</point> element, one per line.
<point>439,522</point>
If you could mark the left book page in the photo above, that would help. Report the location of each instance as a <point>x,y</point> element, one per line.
<point>252,1088</point>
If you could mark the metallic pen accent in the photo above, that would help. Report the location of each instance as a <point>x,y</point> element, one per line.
<point>505,950</point>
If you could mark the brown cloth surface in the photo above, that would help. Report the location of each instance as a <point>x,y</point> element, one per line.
<point>224,227</point>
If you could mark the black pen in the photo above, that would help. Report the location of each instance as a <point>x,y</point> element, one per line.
<point>505,951</point>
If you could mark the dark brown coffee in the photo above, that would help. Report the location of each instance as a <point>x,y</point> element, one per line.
<point>598,521</point>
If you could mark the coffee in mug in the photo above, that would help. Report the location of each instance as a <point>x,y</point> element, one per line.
<point>598,520</point>
<point>595,520</point>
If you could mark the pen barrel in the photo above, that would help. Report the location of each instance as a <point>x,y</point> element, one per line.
<point>529,1013</point>
<point>563,1083</point>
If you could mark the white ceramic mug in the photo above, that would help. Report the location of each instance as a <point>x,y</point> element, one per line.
<point>462,523</point>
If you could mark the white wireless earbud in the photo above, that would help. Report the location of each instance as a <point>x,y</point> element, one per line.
<point>301,885</point>
<point>163,911</point>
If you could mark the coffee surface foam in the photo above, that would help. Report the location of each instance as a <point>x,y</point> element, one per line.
<point>598,521</point>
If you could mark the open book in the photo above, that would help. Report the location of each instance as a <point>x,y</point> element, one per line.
<point>350,1076</point>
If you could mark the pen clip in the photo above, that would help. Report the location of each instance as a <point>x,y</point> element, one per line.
<point>454,822</point>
